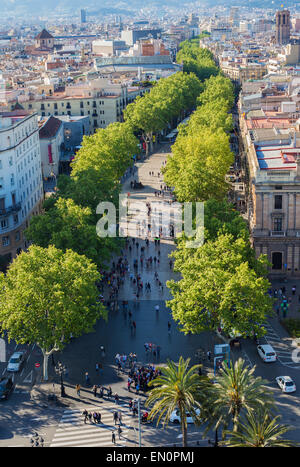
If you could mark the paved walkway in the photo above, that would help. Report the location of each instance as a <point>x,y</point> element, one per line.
<point>138,221</point>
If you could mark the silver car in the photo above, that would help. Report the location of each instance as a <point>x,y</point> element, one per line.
<point>16,361</point>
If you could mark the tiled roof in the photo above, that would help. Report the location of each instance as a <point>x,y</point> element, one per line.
<point>50,128</point>
<point>44,35</point>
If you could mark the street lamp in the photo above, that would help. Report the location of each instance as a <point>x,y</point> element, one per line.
<point>60,370</point>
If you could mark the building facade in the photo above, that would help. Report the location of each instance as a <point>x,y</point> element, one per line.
<point>274,205</point>
<point>21,188</point>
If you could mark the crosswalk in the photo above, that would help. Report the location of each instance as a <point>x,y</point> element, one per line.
<point>283,349</point>
<point>73,432</point>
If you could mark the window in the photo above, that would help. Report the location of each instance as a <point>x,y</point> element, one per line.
<point>1,182</point>
<point>277,260</point>
<point>277,224</point>
<point>278,202</point>
<point>4,223</point>
<point>17,236</point>
<point>5,241</point>
<point>16,218</point>
<point>0,164</point>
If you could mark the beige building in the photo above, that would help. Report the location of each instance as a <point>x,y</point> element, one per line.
<point>102,102</point>
<point>274,206</point>
<point>242,73</point>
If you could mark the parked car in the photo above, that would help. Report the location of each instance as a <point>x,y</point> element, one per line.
<point>286,383</point>
<point>267,353</point>
<point>175,416</point>
<point>6,387</point>
<point>16,361</point>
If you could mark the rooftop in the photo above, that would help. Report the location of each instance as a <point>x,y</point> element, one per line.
<point>278,157</point>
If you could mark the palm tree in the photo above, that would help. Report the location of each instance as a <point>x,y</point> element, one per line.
<point>175,388</point>
<point>237,389</point>
<point>259,431</point>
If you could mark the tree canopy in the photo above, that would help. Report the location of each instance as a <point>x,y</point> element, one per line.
<point>198,165</point>
<point>219,288</point>
<point>48,295</point>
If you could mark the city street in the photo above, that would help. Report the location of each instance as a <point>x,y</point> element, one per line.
<point>63,425</point>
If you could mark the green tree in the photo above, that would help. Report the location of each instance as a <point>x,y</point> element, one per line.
<point>110,149</point>
<point>216,88</point>
<point>168,100</point>
<point>237,390</point>
<point>219,287</point>
<point>176,388</point>
<point>69,226</point>
<point>220,217</point>
<point>213,115</point>
<point>47,296</point>
<point>198,165</point>
<point>259,430</point>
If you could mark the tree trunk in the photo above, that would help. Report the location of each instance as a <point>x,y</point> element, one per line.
<point>45,365</point>
<point>183,425</point>
<point>46,356</point>
<point>184,434</point>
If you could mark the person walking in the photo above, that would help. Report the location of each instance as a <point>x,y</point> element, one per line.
<point>85,414</point>
<point>98,417</point>
<point>78,389</point>
<point>87,379</point>
<point>116,399</point>
<point>120,417</point>
<point>113,438</point>
<point>115,417</point>
<point>208,355</point>
<point>169,327</point>
<point>119,431</point>
<point>95,390</point>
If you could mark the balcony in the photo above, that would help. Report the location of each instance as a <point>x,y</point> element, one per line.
<point>277,233</point>
<point>11,209</point>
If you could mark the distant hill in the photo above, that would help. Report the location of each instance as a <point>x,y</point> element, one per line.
<point>38,7</point>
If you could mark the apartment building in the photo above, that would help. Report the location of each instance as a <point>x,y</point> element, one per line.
<point>101,102</point>
<point>21,188</point>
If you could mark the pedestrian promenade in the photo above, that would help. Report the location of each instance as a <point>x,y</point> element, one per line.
<point>163,213</point>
